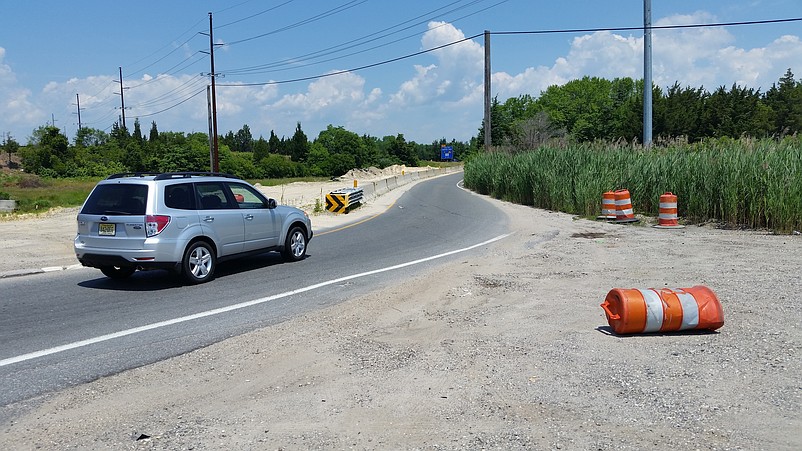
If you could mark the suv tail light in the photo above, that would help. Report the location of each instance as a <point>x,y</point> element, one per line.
<point>154,224</point>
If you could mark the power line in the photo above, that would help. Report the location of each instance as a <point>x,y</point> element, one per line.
<point>293,62</point>
<point>367,66</point>
<point>578,30</point>
<point>312,19</point>
<point>252,15</point>
<point>654,27</point>
<point>173,106</point>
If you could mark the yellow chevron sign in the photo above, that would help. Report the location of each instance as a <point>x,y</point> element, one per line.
<point>343,200</point>
<point>336,202</point>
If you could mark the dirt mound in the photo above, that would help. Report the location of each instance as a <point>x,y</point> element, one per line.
<point>374,173</point>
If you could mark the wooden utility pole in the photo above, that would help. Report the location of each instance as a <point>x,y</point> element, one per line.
<point>215,151</point>
<point>487,129</point>
<point>78,104</point>
<point>122,97</point>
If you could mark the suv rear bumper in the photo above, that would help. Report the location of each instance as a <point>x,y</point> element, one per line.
<point>101,260</point>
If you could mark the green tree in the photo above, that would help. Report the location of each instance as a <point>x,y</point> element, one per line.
<point>319,160</point>
<point>338,140</point>
<point>274,144</point>
<point>681,112</point>
<point>137,135</point>
<point>402,150</point>
<point>48,152</point>
<point>10,147</point>
<point>154,132</point>
<point>243,140</point>
<point>298,146</point>
<point>784,99</point>
<point>261,149</point>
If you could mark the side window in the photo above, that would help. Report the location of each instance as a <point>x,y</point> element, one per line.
<point>212,196</point>
<point>179,196</point>
<point>246,196</point>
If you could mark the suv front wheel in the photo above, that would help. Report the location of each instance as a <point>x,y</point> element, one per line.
<point>294,245</point>
<point>199,263</point>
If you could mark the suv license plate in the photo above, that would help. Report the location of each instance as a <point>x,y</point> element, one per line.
<point>106,229</point>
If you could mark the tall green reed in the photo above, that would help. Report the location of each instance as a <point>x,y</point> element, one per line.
<point>752,183</point>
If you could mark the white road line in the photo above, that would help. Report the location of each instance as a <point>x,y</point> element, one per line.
<point>183,319</point>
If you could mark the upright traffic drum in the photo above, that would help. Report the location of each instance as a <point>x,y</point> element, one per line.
<point>623,207</point>
<point>667,218</point>
<point>608,206</point>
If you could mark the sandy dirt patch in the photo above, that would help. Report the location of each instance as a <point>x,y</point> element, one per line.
<point>510,351</point>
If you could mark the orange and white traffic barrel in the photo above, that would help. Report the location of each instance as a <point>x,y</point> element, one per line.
<point>623,207</point>
<point>634,311</point>
<point>667,218</point>
<point>608,206</point>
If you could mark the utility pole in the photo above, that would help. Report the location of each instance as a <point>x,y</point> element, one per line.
<point>78,103</point>
<point>211,142</point>
<point>647,73</point>
<point>215,152</point>
<point>122,97</point>
<point>487,129</point>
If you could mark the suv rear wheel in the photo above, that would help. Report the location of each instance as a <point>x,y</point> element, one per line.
<point>199,262</point>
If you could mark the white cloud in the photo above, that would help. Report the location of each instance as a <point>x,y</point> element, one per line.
<point>17,110</point>
<point>696,57</point>
<point>442,96</point>
<point>452,78</point>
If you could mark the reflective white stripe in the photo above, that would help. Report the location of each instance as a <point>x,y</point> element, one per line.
<point>690,310</point>
<point>654,310</point>
<point>668,205</point>
<point>625,212</point>
<point>667,216</point>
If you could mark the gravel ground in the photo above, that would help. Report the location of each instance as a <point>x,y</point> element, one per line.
<point>510,350</point>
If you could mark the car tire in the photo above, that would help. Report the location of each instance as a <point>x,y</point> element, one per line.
<point>199,263</point>
<point>294,245</point>
<point>117,272</point>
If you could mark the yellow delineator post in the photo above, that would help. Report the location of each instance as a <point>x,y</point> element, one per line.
<point>343,200</point>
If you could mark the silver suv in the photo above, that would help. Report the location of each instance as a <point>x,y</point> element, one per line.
<point>185,222</point>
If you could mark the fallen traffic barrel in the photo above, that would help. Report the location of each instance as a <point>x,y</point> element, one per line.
<point>667,217</point>
<point>633,311</point>
<point>623,207</point>
<point>608,206</point>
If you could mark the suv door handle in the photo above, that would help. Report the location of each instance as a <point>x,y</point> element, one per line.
<point>209,219</point>
<point>249,217</point>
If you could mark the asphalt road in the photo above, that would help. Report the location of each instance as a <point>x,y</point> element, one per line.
<point>66,328</point>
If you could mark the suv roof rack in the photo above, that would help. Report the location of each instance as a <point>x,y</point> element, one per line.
<point>187,174</point>
<point>171,175</point>
<point>132,174</point>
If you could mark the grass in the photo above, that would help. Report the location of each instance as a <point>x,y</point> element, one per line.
<point>35,194</point>
<point>751,183</point>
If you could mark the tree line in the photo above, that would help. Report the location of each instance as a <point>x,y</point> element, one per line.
<point>596,109</point>
<point>335,151</point>
<point>589,109</point>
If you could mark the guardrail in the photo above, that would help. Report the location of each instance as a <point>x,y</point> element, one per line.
<point>344,200</point>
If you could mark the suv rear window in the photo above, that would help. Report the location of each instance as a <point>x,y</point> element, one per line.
<point>117,199</point>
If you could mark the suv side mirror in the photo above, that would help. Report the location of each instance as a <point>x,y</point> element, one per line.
<point>271,203</point>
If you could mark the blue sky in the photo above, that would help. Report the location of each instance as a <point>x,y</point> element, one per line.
<point>54,54</point>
